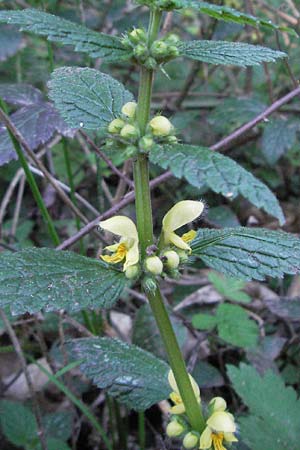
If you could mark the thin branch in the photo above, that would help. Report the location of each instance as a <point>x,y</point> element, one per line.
<point>19,352</point>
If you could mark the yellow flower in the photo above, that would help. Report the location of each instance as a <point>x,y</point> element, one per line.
<point>160,126</point>
<point>220,427</point>
<point>179,407</point>
<point>129,108</point>
<point>128,246</point>
<point>182,213</point>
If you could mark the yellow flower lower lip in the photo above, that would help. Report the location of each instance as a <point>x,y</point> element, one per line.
<point>116,257</point>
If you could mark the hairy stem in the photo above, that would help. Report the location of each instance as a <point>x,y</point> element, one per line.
<point>145,231</point>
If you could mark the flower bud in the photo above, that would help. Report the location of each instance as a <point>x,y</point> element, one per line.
<point>146,143</point>
<point>154,265</point>
<point>115,126</point>
<point>174,429</point>
<point>159,49</point>
<point>132,272</point>
<point>173,51</point>
<point>149,284</point>
<point>140,51</point>
<point>172,139</point>
<point>173,259</point>
<point>130,151</point>
<point>218,404</point>
<point>137,35</point>
<point>129,132</point>
<point>190,440</point>
<point>150,63</point>
<point>183,256</point>
<point>172,39</point>
<point>161,126</point>
<point>129,109</point>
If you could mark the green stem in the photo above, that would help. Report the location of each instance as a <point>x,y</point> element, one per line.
<point>145,231</point>
<point>33,185</point>
<point>142,433</point>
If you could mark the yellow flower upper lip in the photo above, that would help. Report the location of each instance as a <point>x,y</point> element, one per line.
<point>180,214</point>
<point>125,228</point>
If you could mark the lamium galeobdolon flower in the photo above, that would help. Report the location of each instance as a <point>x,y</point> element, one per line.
<point>181,214</point>
<point>127,249</point>
<point>178,407</point>
<point>220,427</point>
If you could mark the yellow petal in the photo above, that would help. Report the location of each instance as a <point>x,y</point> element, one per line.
<point>116,257</point>
<point>121,226</point>
<point>177,409</point>
<point>132,256</point>
<point>230,437</point>
<point>189,236</point>
<point>205,439</point>
<point>221,421</point>
<point>182,213</point>
<point>176,240</point>
<point>173,384</point>
<point>218,404</point>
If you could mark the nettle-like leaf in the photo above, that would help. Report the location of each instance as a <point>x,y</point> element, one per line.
<point>231,15</point>
<point>97,45</point>
<point>20,94</point>
<point>278,137</point>
<point>10,42</point>
<point>228,53</point>
<point>136,377</point>
<point>45,279</point>
<point>37,123</point>
<point>87,98</point>
<point>18,423</point>
<point>233,324</point>
<point>274,410</point>
<point>200,165</point>
<point>248,253</point>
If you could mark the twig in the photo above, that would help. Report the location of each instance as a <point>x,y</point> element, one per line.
<point>223,143</point>
<point>106,159</point>
<point>19,352</point>
<point>8,195</point>
<point>18,206</point>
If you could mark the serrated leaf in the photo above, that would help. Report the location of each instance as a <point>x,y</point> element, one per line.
<point>132,375</point>
<point>10,41</point>
<point>87,98</point>
<point>20,94</point>
<point>278,137</point>
<point>232,15</point>
<point>18,424</point>
<point>37,123</point>
<point>248,253</point>
<point>228,53</point>
<point>199,165</point>
<point>233,324</point>
<point>97,45</point>
<point>146,335</point>
<point>58,425</point>
<point>229,288</point>
<point>36,279</point>
<point>273,422</point>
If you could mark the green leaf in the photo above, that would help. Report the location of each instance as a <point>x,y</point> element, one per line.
<point>248,253</point>
<point>199,165</point>
<point>233,323</point>
<point>58,425</point>
<point>145,332</point>
<point>278,137</point>
<point>10,42</point>
<point>228,53</point>
<point>274,410</point>
<point>17,422</point>
<point>54,444</point>
<point>97,45</point>
<point>232,15</point>
<point>35,279</point>
<point>136,377</point>
<point>230,288</point>
<point>87,98</point>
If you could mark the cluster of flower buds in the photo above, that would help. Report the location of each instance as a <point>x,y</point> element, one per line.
<point>160,51</point>
<point>220,425</point>
<point>124,130</point>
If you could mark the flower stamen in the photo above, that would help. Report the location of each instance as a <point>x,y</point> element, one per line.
<point>217,439</point>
